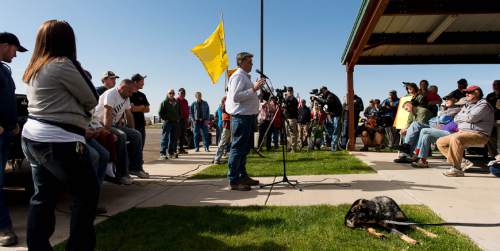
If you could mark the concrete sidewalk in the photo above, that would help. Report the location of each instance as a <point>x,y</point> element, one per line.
<point>473,199</point>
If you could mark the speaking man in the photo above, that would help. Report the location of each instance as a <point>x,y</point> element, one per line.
<point>243,105</point>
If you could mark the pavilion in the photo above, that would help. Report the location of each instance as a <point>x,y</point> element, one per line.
<point>392,32</point>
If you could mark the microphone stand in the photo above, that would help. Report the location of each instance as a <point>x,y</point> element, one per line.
<point>284,179</point>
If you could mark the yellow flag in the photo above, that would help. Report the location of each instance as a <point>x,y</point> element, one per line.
<point>401,120</point>
<point>212,53</point>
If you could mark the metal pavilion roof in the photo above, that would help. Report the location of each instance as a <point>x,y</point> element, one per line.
<point>425,32</point>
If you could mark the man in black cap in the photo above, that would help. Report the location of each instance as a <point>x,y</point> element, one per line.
<point>9,45</point>
<point>291,115</point>
<point>140,105</point>
<point>108,81</point>
<point>460,91</point>
<point>333,110</point>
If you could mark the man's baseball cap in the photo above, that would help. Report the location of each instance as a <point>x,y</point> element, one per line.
<point>109,74</point>
<point>393,92</point>
<point>289,88</point>
<point>138,77</point>
<point>472,88</point>
<point>413,85</point>
<point>462,81</point>
<point>9,38</point>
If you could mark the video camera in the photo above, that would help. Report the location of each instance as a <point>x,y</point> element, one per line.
<point>280,94</point>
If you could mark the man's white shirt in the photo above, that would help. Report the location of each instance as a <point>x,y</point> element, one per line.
<point>117,103</point>
<point>241,98</point>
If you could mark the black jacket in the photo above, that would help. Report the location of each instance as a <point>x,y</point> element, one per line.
<point>334,106</point>
<point>304,115</point>
<point>8,103</point>
<point>292,106</point>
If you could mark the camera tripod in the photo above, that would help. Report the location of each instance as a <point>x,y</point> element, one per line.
<point>284,179</point>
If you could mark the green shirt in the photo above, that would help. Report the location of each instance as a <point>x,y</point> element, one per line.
<point>170,112</point>
<point>420,115</point>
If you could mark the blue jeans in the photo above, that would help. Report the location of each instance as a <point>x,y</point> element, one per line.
<point>427,137</point>
<point>129,150</point>
<point>5,139</point>
<point>332,129</point>
<point>56,167</point>
<point>275,135</point>
<point>99,157</point>
<point>225,139</point>
<point>200,126</point>
<point>412,134</point>
<point>241,133</point>
<point>168,138</point>
<point>495,170</point>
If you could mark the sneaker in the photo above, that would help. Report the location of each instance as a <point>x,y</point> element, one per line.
<point>100,210</point>
<point>364,149</point>
<point>404,160</point>
<point>454,173</point>
<point>183,151</point>
<point>8,237</point>
<point>141,174</point>
<point>239,187</point>
<point>207,150</point>
<point>420,164</point>
<point>466,164</point>
<point>197,150</point>
<point>218,162</point>
<point>163,157</point>
<point>249,181</point>
<point>125,180</point>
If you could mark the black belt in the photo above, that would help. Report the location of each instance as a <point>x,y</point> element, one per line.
<point>66,127</point>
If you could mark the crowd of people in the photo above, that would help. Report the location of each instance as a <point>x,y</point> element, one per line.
<point>462,119</point>
<point>77,136</point>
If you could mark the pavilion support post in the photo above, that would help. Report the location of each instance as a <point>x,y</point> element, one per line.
<point>350,106</point>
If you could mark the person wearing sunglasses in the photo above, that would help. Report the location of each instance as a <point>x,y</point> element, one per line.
<point>475,123</point>
<point>170,113</point>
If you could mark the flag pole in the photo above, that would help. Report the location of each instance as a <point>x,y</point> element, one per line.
<point>262,36</point>
<point>226,78</point>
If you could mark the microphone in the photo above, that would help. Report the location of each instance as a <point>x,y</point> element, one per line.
<point>261,74</point>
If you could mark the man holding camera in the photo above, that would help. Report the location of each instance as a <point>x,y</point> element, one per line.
<point>333,109</point>
<point>291,115</point>
<point>243,105</point>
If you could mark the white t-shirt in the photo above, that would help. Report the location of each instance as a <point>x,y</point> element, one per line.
<point>117,103</point>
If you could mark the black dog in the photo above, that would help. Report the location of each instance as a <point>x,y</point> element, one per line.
<point>384,212</point>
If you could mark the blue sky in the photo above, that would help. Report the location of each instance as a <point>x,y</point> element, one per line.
<point>304,41</point>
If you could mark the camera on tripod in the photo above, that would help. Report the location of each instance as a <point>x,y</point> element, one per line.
<point>314,94</point>
<point>280,94</point>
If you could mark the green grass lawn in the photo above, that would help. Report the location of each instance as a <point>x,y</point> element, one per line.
<point>300,163</point>
<point>261,228</point>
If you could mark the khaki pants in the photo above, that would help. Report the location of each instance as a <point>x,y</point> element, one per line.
<point>452,146</point>
<point>303,129</point>
<point>292,131</point>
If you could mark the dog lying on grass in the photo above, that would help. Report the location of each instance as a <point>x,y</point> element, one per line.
<point>384,212</point>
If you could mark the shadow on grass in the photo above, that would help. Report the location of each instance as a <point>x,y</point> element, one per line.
<point>184,228</point>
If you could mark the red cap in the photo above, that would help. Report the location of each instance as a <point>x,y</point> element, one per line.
<point>472,88</point>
